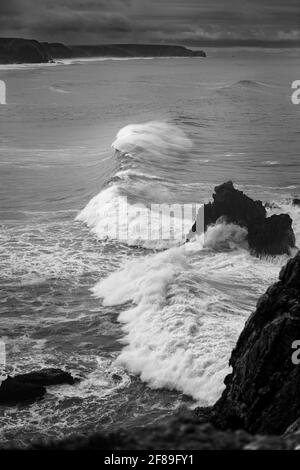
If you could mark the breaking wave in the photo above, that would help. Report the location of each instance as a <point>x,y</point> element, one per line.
<point>179,320</point>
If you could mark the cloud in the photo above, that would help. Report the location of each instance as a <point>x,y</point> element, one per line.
<point>182,21</point>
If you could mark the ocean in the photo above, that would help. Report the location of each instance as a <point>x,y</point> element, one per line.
<point>147,325</point>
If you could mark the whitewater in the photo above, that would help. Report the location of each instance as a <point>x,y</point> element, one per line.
<point>182,323</point>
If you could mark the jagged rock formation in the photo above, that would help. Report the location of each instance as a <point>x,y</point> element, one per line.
<point>266,235</point>
<point>31,386</point>
<point>262,393</point>
<point>17,50</point>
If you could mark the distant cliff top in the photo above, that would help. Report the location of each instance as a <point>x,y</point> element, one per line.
<point>17,50</point>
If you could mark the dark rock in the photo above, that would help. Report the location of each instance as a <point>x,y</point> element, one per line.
<point>234,205</point>
<point>262,393</point>
<point>31,386</point>
<point>134,50</point>
<point>58,50</point>
<point>266,235</point>
<point>17,50</point>
<point>272,236</point>
<point>296,201</point>
<point>48,376</point>
<point>13,391</point>
<point>116,377</point>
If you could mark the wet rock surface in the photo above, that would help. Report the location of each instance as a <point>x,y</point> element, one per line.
<point>262,393</point>
<point>266,235</point>
<point>32,386</point>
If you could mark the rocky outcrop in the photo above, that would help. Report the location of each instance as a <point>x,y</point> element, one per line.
<point>272,236</point>
<point>12,391</point>
<point>18,50</point>
<point>296,201</point>
<point>266,235</point>
<point>262,393</point>
<point>47,376</point>
<point>31,386</point>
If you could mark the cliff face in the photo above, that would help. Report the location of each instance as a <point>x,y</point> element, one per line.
<point>262,393</point>
<point>135,50</point>
<point>16,50</point>
<point>57,50</point>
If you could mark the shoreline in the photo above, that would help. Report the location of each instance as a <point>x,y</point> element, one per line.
<point>82,60</point>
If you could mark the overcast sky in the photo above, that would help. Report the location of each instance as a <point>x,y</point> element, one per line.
<point>189,22</point>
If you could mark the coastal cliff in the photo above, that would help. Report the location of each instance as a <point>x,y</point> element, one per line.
<point>135,50</point>
<point>17,50</point>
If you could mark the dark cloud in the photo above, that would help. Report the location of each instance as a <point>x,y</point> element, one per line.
<point>181,21</point>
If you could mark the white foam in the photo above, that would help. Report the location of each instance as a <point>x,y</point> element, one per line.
<point>109,215</point>
<point>106,214</point>
<point>57,89</point>
<point>183,323</point>
<point>154,136</point>
<point>225,236</point>
<point>270,162</point>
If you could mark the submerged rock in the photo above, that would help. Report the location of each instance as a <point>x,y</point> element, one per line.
<point>266,235</point>
<point>31,386</point>
<point>262,393</point>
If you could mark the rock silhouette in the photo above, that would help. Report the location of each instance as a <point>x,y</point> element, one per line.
<point>266,235</point>
<point>31,386</point>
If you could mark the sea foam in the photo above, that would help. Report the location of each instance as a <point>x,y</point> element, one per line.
<point>181,324</point>
<point>179,320</point>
